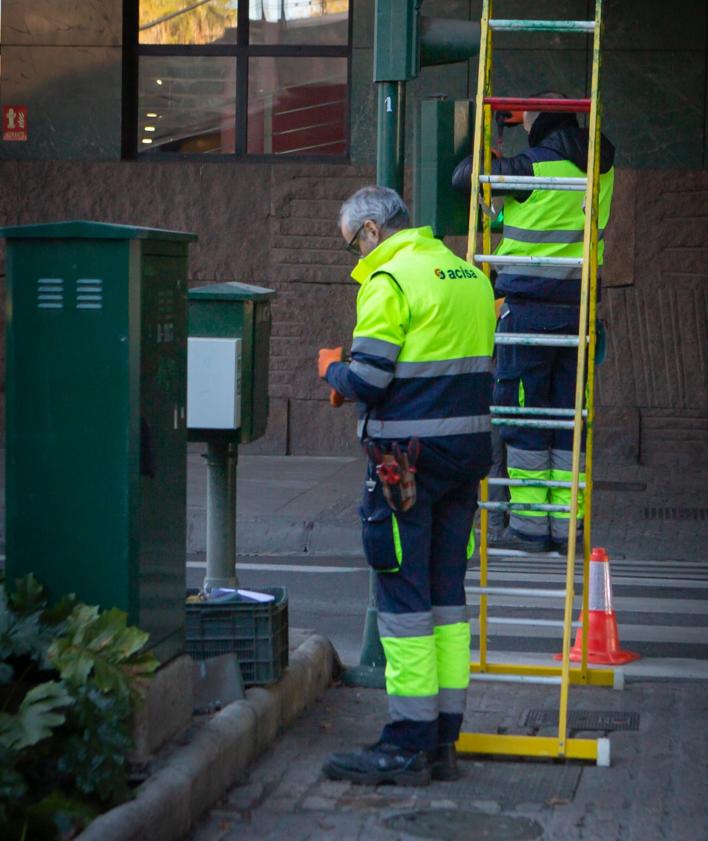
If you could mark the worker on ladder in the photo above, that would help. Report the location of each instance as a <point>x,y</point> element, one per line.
<point>545,300</point>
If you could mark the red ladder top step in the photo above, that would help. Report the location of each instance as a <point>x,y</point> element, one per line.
<point>513,103</point>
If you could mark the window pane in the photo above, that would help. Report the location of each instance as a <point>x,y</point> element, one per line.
<point>187,104</point>
<point>299,21</point>
<point>305,117</point>
<point>188,21</point>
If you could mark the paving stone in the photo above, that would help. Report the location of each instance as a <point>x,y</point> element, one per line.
<point>443,804</point>
<point>654,790</point>
<point>334,788</point>
<point>244,797</point>
<point>319,804</point>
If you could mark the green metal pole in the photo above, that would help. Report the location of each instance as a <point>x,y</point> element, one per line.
<point>390,144</point>
<point>221,515</point>
<point>390,141</point>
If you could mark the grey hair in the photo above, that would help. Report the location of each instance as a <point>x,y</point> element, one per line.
<point>379,204</point>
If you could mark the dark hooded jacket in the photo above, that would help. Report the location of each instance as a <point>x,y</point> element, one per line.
<point>552,137</point>
<point>556,133</point>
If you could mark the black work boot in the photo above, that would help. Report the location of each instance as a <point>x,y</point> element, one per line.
<point>511,539</point>
<point>443,763</point>
<point>381,763</point>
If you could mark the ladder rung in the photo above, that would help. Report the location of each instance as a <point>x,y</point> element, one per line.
<point>534,410</point>
<point>537,339</point>
<point>524,506</point>
<point>533,182</point>
<point>547,623</point>
<point>533,483</point>
<point>582,26</point>
<point>509,260</point>
<point>494,678</point>
<point>534,424</point>
<point>517,591</point>
<point>518,103</point>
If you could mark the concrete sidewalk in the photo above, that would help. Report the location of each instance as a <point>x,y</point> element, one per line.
<point>653,791</point>
<point>285,504</point>
<point>305,504</point>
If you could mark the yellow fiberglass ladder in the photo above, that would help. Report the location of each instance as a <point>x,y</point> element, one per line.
<point>560,746</point>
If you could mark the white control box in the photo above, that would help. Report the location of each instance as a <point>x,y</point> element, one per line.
<point>214,383</point>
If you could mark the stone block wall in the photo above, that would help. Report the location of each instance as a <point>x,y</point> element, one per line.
<point>655,380</point>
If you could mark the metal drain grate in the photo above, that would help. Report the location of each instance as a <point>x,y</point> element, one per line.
<point>675,514</point>
<point>448,825</point>
<point>584,720</point>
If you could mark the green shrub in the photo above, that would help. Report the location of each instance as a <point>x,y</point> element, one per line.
<point>70,676</point>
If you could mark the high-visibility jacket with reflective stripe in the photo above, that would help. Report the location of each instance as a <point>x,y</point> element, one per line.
<point>549,223</point>
<point>422,349</point>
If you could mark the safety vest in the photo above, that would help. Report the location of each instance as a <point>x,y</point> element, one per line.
<point>550,223</point>
<point>436,332</point>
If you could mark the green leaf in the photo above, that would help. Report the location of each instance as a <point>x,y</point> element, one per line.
<point>40,712</point>
<point>59,612</point>
<point>73,663</point>
<point>28,596</point>
<point>101,647</point>
<point>68,814</point>
<point>94,752</point>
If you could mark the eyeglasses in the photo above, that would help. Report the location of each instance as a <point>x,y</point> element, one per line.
<point>353,246</point>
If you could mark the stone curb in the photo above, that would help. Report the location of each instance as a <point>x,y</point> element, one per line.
<point>197,775</point>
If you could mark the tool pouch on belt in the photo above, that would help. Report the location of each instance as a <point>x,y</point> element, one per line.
<point>396,468</point>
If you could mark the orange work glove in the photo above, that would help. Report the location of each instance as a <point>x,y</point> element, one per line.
<point>510,118</point>
<point>335,398</point>
<point>326,357</point>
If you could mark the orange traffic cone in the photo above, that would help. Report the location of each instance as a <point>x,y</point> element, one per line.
<point>603,640</point>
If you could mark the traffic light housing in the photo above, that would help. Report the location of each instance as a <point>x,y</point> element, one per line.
<point>405,40</point>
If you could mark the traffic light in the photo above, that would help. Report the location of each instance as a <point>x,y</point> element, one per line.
<point>405,40</point>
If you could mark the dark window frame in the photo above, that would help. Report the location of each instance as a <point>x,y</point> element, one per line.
<point>242,51</point>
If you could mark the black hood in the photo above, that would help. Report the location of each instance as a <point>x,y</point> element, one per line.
<point>561,133</point>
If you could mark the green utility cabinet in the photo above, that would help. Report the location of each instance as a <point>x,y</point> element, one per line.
<point>96,417</point>
<point>443,135</point>
<point>242,312</point>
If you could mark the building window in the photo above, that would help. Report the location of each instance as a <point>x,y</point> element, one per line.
<point>255,77</point>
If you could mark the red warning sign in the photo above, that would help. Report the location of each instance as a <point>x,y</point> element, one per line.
<point>14,122</point>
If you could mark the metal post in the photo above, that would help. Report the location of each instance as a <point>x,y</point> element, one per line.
<point>390,145</point>
<point>390,139</point>
<point>221,515</point>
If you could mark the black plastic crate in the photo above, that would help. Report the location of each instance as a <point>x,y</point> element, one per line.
<point>257,632</point>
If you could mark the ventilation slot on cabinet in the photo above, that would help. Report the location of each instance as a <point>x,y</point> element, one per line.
<point>50,293</point>
<point>89,294</point>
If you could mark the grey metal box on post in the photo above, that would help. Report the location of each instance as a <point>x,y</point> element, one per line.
<point>229,338</point>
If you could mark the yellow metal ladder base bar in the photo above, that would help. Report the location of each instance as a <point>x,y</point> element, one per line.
<point>589,677</point>
<point>590,750</point>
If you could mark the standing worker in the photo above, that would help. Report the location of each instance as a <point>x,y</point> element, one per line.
<point>421,373</point>
<point>542,299</point>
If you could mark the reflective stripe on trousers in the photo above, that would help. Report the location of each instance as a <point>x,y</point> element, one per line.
<point>452,649</point>
<point>411,666</point>
<point>561,464</point>
<point>427,662</point>
<point>543,465</point>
